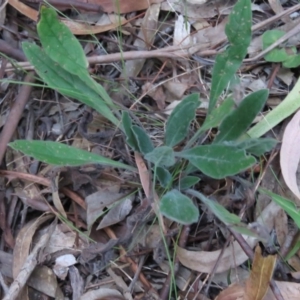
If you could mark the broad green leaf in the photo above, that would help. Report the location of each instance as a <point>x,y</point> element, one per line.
<point>257,146</point>
<point>179,208</point>
<point>213,120</point>
<point>143,140</point>
<point>268,38</point>
<point>161,156</point>
<point>164,177</point>
<point>223,214</point>
<point>238,31</point>
<point>187,182</point>
<point>62,47</point>
<point>293,61</point>
<point>180,120</point>
<point>62,155</point>
<point>59,42</point>
<point>190,168</point>
<point>218,161</point>
<point>130,136</point>
<point>67,84</point>
<point>287,205</point>
<point>218,114</point>
<point>238,121</point>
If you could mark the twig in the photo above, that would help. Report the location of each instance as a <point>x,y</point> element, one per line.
<point>12,52</point>
<point>44,181</point>
<point>15,114</point>
<point>171,52</point>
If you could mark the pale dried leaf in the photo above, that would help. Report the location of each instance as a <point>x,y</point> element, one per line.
<point>62,264</point>
<point>55,196</point>
<point>144,40</point>
<point>233,292</point>
<point>182,29</point>
<point>204,261</point>
<point>101,293</point>
<point>176,89</point>
<point>24,241</point>
<point>97,201</point>
<point>290,154</point>
<point>156,92</point>
<point>116,214</point>
<point>122,7</point>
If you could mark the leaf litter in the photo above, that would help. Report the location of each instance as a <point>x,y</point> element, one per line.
<point>117,244</point>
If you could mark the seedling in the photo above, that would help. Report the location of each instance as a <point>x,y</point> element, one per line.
<point>61,64</point>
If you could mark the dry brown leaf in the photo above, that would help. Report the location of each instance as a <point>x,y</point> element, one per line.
<point>24,241</point>
<point>76,27</point>
<point>116,214</point>
<point>43,279</point>
<point>55,196</point>
<point>290,154</point>
<point>146,184</point>
<point>204,261</point>
<point>104,197</point>
<point>156,92</point>
<point>124,6</point>
<point>144,41</point>
<point>234,292</point>
<point>257,285</point>
<point>261,274</point>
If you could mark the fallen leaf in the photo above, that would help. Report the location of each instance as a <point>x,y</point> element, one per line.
<point>24,241</point>
<point>144,40</point>
<point>234,255</point>
<point>123,7</point>
<point>102,293</point>
<point>290,154</point>
<point>261,274</point>
<point>116,214</point>
<point>156,93</point>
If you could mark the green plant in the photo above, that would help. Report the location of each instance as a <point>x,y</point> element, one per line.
<point>286,55</point>
<point>229,153</point>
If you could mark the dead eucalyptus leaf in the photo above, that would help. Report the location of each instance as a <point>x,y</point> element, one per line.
<point>24,241</point>
<point>290,154</point>
<point>234,255</point>
<point>257,284</point>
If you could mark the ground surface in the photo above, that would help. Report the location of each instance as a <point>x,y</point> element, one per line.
<point>96,231</point>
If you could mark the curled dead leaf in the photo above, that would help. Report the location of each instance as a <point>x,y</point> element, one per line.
<point>290,154</point>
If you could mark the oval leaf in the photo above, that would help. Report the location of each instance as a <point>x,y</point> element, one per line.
<point>180,119</point>
<point>187,182</point>
<point>290,154</point>
<point>179,208</point>
<point>67,84</point>
<point>257,146</point>
<point>143,140</point>
<point>237,122</point>
<point>130,137</point>
<point>62,155</point>
<point>59,42</point>
<point>218,161</point>
<point>164,176</point>
<point>162,156</point>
